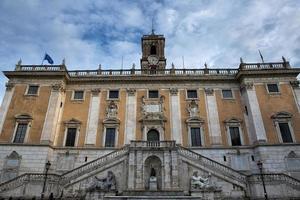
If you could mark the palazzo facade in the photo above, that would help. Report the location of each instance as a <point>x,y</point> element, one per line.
<point>153,128</point>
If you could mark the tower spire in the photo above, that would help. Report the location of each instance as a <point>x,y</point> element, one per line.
<point>152,28</point>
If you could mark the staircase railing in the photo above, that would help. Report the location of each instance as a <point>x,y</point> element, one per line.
<point>66,177</point>
<point>280,177</point>
<point>211,164</point>
<point>90,166</point>
<point>20,180</point>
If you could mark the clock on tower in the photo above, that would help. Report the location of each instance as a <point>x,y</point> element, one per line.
<point>153,53</point>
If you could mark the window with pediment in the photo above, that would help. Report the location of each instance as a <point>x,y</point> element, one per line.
<point>23,123</point>
<point>283,124</point>
<point>72,130</point>
<point>234,132</point>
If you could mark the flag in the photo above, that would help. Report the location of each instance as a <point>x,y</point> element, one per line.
<point>262,58</point>
<point>49,59</point>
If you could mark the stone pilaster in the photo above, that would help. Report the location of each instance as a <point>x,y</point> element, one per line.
<point>93,118</point>
<point>167,170</point>
<point>131,170</point>
<point>256,125</point>
<point>139,182</point>
<point>175,115</point>
<point>213,117</point>
<point>175,174</point>
<point>5,103</point>
<point>52,115</point>
<point>130,120</point>
<point>296,92</point>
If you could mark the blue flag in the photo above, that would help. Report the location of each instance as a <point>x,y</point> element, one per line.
<point>49,59</point>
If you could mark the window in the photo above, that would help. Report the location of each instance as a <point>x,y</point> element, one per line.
<point>227,94</point>
<point>32,90</point>
<point>110,137</point>
<point>20,133</point>
<point>113,94</point>
<point>195,137</point>
<point>78,95</point>
<point>273,88</point>
<point>285,132</point>
<point>153,50</point>
<point>71,137</point>
<point>192,94</point>
<point>235,136</point>
<point>153,94</point>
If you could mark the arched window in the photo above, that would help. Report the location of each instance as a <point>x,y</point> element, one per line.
<point>153,135</point>
<point>153,50</point>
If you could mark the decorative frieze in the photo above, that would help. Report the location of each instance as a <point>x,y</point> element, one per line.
<point>295,84</point>
<point>209,91</point>
<point>131,91</point>
<point>9,86</point>
<point>173,91</point>
<point>57,87</point>
<point>95,92</point>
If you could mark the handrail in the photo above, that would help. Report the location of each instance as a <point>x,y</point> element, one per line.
<point>276,177</point>
<point>19,180</point>
<point>74,173</point>
<point>212,163</point>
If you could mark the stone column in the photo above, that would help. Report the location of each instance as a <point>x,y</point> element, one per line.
<point>256,125</point>
<point>167,169</point>
<point>52,115</point>
<point>5,103</point>
<point>131,170</point>
<point>176,129</point>
<point>139,181</point>
<point>130,120</point>
<point>93,118</point>
<point>213,117</point>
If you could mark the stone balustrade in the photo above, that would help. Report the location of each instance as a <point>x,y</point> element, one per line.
<point>157,72</point>
<point>90,166</point>
<point>156,144</point>
<point>211,164</point>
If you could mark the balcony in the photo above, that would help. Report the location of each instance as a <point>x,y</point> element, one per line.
<point>153,144</point>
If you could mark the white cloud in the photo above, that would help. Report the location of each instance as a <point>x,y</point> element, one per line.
<point>90,32</point>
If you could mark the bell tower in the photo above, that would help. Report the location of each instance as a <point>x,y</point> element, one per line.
<point>153,53</point>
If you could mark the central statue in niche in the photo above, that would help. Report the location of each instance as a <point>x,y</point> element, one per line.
<point>152,180</point>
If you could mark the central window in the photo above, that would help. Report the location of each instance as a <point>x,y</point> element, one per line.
<point>153,94</point>
<point>20,133</point>
<point>195,137</point>
<point>192,94</point>
<point>110,137</point>
<point>71,137</point>
<point>113,94</point>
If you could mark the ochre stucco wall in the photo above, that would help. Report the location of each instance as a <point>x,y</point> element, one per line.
<point>35,106</point>
<point>272,103</point>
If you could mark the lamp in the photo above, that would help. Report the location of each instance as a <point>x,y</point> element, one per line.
<point>47,167</point>
<point>260,167</point>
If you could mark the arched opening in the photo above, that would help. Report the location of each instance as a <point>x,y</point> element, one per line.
<point>153,135</point>
<point>152,168</point>
<point>153,50</point>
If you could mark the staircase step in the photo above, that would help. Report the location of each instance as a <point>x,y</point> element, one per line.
<point>152,193</point>
<point>149,197</point>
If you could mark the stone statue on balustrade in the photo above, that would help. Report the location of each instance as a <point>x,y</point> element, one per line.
<point>112,110</point>
<point>193,109</point>
<point>106,184</point>
<point>198,182</point>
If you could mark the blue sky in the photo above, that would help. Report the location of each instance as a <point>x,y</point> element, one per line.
<point>91,32</point>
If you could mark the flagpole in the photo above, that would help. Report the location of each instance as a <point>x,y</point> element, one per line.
<point>43,59</point>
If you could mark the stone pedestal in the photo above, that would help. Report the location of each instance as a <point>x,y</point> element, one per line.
<point>207,194</point>
<point>153,183</point>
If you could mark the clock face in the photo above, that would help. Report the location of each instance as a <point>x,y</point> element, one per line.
<point>153,60</point>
